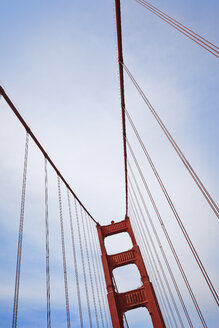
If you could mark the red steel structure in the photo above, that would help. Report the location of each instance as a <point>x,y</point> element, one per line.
<point>144,296</point>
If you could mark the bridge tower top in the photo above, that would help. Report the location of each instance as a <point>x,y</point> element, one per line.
<point>143,296</point>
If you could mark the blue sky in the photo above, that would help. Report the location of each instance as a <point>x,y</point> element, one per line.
<point>59,66</point>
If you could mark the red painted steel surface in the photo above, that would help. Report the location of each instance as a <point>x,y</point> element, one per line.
<point>144,296</point>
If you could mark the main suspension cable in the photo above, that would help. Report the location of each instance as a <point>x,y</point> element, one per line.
<point>207,45</point>
<point>20,236</point>
<point>188,166</point>
<point>47,247</point>
<point>27,128</point>
<point>122,94</point>
<point>175,213</point>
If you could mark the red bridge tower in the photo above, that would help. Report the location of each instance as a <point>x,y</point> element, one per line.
<point>144,296</point>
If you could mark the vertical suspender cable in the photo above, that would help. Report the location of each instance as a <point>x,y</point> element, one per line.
<point>75,261</point>
<point>93,265</point>
<point>95,270</point>
<point>89,264</point>
<point>146,251</point>
<point>47,247</point>
<point>175,213</point>
<point>38,144</point>
<point>158,243</point>
<point>179,152</point>
<point>145,259</point>
<point>158,239</point>
<point>102,280</point>
<point>146,244</point>
<point>170,243</point>
<point>122,95</point>
<point>20,237</point>
<point>117,291</point>
<point>83,265</point>
<point>64,256</point>
<point>82,260</point>
<point>150,269</point>
<point>100,272</point>
<point>97,278</point>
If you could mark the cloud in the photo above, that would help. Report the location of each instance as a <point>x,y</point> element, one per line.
<point>61,72</point>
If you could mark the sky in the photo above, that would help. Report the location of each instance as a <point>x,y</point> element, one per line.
<point>59,66</point>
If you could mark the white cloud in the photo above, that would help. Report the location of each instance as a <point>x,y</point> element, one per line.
<point>65,82</point>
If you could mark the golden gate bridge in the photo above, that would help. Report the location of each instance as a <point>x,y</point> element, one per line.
<point>159,292</point>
